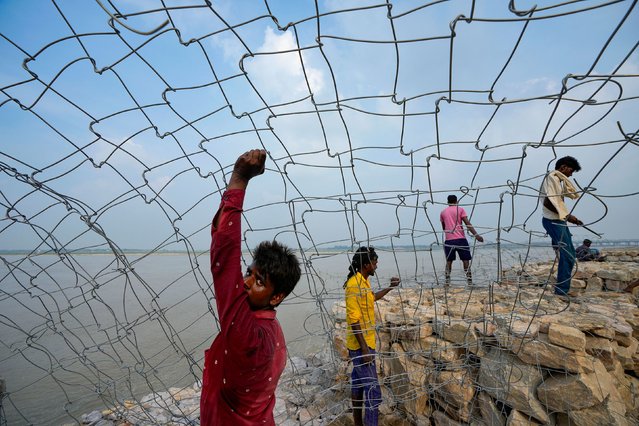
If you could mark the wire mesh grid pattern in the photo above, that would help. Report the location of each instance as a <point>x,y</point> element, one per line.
<point>122,121</point>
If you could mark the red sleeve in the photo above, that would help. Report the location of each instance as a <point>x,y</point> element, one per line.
<point>237,321</point>
<point>226,253</point>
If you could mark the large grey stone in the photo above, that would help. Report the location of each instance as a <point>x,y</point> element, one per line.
<point>611,411</point>
<point>508,379</point>
<point>571,392</point>
<point>567,337</point>
<point>456,388</point>
<point>601,348</point>
<point>516,418</point>
<point>616,274</point>
<point>442,419</point>
<point>541,352</point>
<point>490,414</point>
<point>594,284</point>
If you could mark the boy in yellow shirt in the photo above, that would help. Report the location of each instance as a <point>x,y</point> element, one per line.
<point>360,336</point>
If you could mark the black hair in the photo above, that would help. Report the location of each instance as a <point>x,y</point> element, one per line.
<point>363,256</point>
<point>279,264</point>
<point>587,241</point>
<point>568,161</point>
<point>452,199</point>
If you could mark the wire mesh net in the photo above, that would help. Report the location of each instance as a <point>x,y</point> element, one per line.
<point>122,121</point>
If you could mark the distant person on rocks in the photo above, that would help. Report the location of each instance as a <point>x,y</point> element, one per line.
<point>245,361</point>
<point>455,241</point>
<point>585,253</point>
<point>554,188</point>
<point>360,336</point>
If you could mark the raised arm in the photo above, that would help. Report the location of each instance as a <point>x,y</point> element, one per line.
<point>247,166</point>
<point>226,233</point>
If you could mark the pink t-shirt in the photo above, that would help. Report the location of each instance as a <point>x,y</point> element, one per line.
<point>452,217</point>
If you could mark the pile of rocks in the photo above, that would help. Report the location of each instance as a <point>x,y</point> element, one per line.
<point>621,254</point>
<point>501,355</point>
<point>506,355</point>
<point>307,394</point>
<point>177,406</point>
<point>612,275</point>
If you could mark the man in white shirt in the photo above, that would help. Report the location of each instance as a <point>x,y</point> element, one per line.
<point>555,187</point>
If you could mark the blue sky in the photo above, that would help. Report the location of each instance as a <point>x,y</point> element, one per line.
<point>137,136</point>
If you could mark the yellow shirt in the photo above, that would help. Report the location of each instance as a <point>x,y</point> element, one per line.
<point>360,308</point>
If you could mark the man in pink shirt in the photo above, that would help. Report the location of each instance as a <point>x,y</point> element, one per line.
<point>246,359</point>
<point>454,238</point>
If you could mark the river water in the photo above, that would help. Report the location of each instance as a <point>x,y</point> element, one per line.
<point>80,332</point>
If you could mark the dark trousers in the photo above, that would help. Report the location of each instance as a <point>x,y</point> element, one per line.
<point>562,243</point>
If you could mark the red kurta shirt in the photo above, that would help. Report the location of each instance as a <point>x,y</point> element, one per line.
<point>245,361</point>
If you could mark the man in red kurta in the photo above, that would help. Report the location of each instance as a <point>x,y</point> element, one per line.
<point>245,361</point>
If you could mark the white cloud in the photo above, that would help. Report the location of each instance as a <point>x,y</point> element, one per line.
<point>232,49</point>
<point>281,76</point>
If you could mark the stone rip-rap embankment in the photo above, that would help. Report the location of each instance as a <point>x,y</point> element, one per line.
<point>509,354</point>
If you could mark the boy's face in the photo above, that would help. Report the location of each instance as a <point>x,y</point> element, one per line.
<point>370,267</point>
<point>260,290</point>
